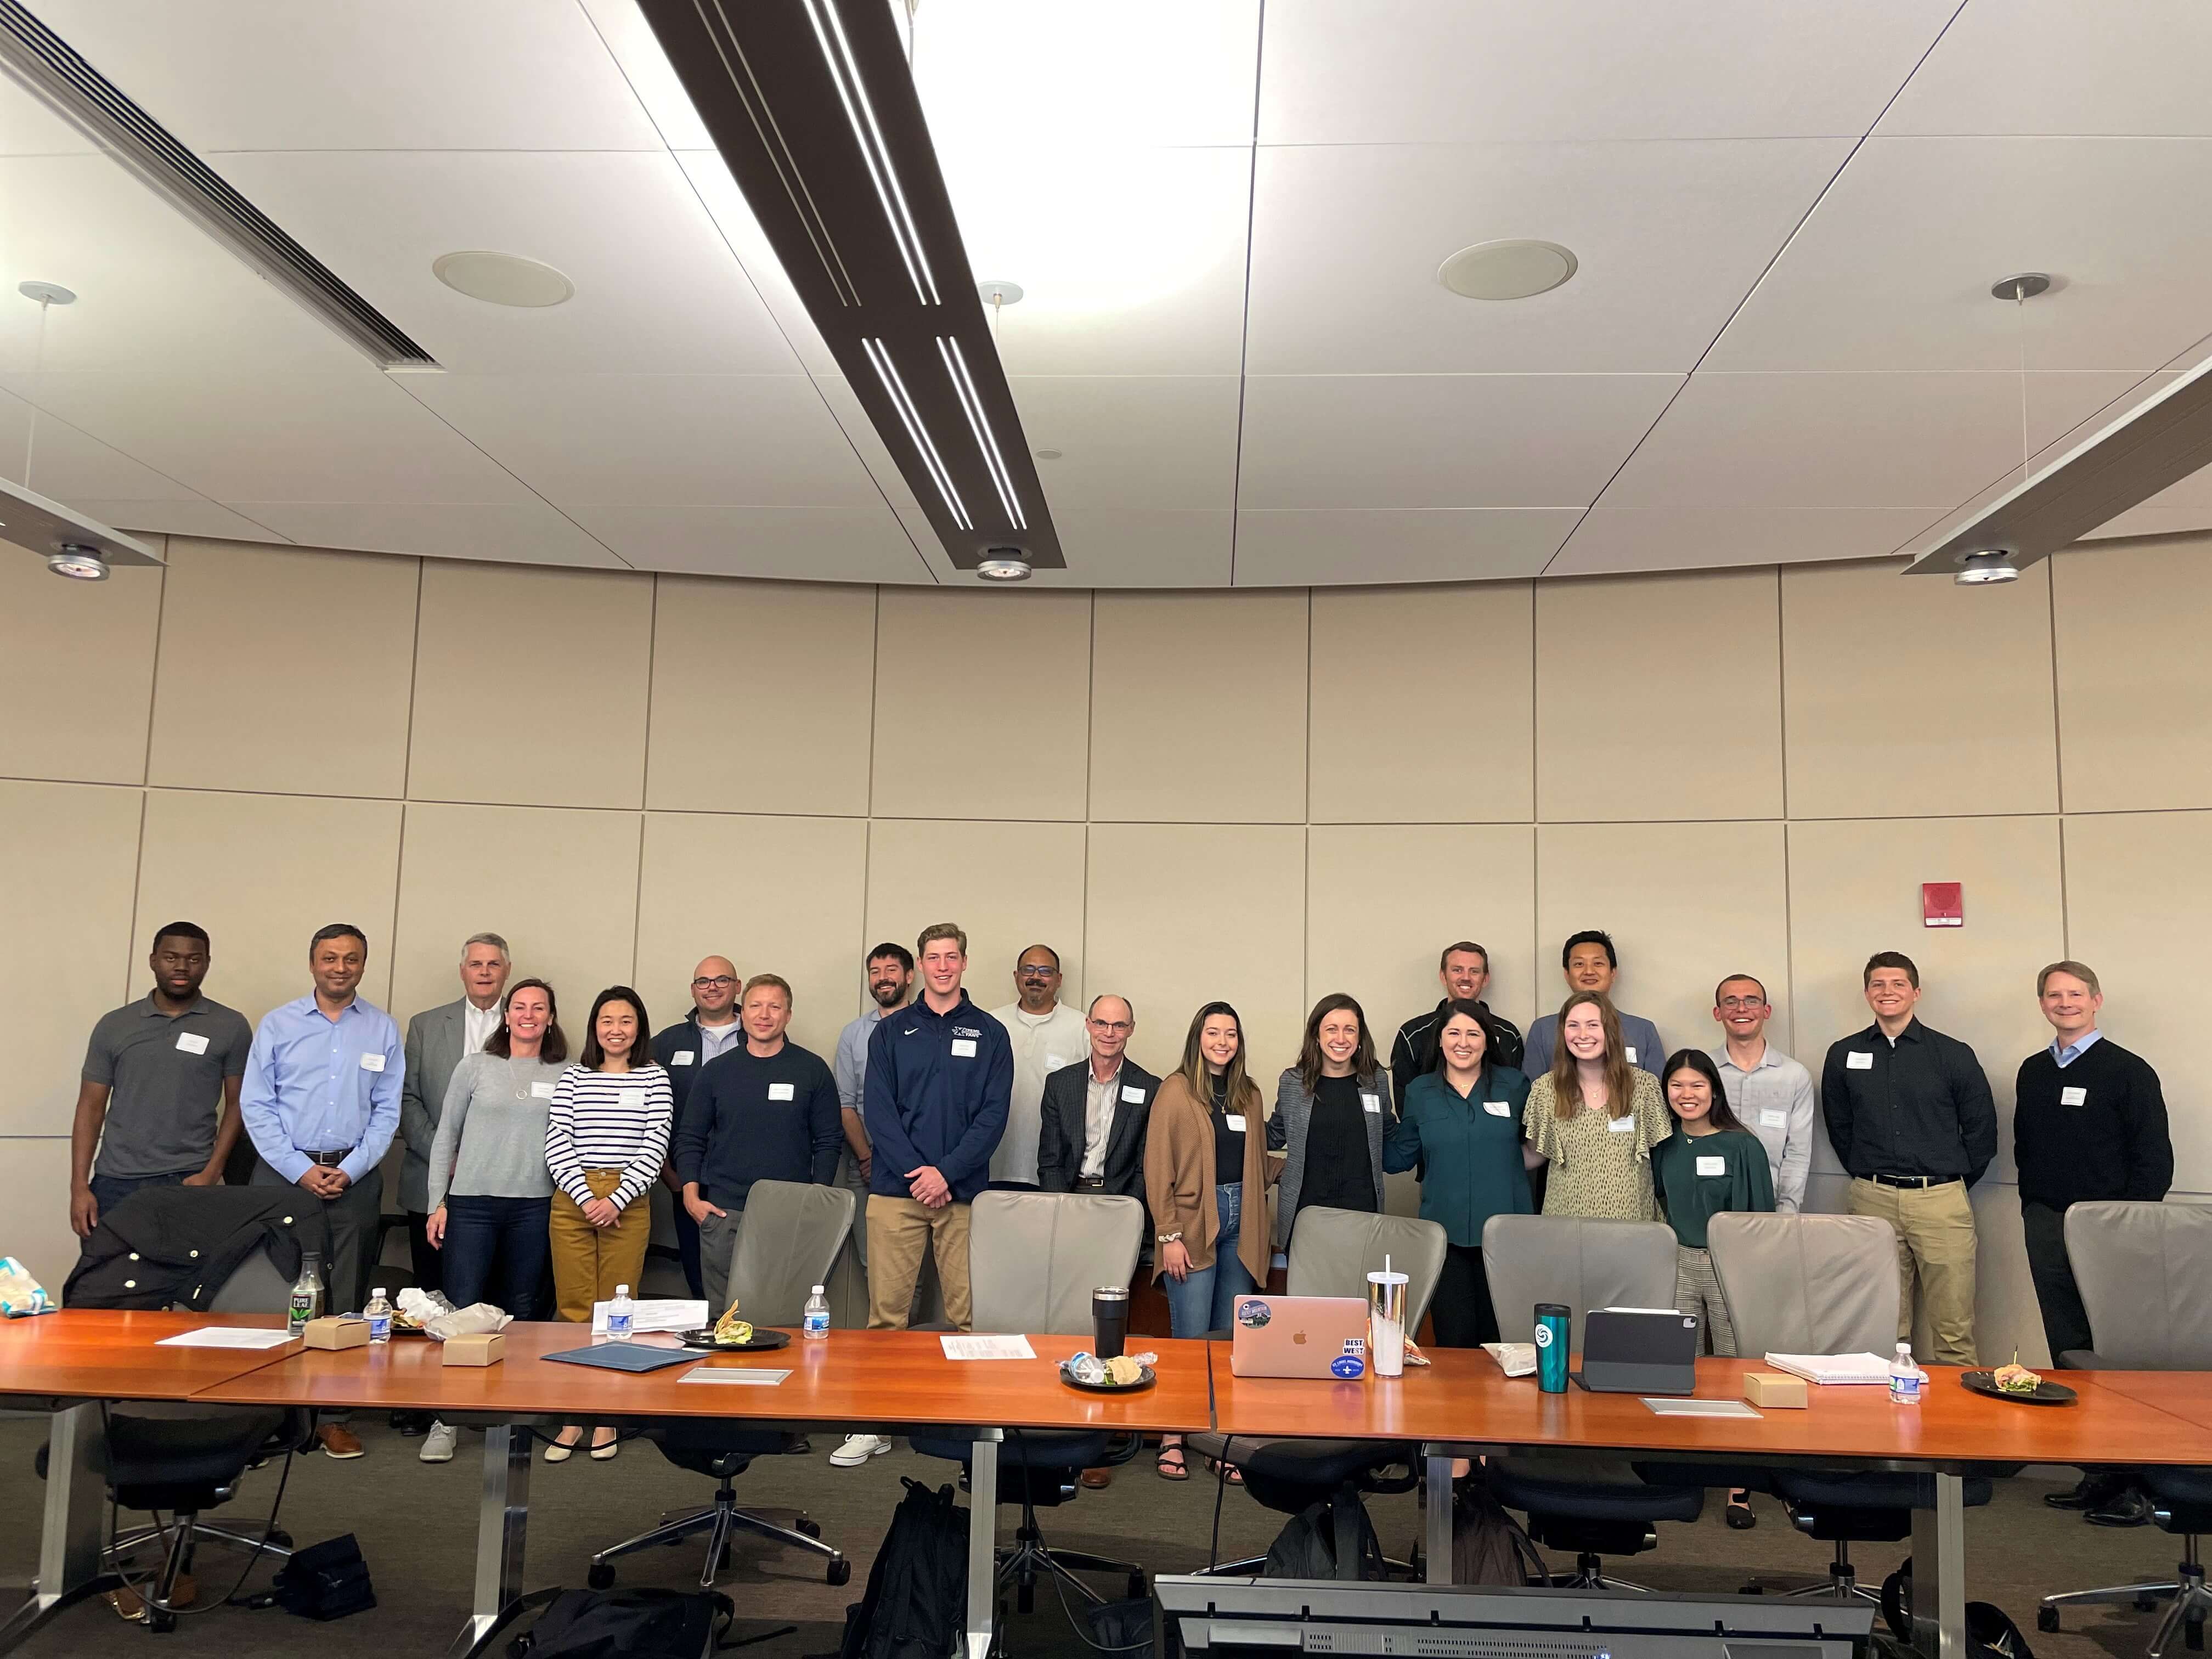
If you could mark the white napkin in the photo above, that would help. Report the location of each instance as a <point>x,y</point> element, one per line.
<point>477,1316</point>
<point>1514,1359</point>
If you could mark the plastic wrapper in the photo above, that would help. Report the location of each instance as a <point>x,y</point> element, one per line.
<point>477,1318</point>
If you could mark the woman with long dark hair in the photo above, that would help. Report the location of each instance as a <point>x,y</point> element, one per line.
<point>1334,1107</point>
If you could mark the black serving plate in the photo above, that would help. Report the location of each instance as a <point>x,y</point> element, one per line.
<point>2046,1394</point>
<point>1141,1383</point>
<point>762,1342</point>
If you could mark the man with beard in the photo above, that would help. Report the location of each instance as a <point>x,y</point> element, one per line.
<point>890,983</point>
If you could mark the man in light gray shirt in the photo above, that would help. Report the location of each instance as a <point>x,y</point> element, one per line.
<point>437,1039</point>
<point>890,983</point>
<point>1771,1093</point>
<point>1047,1035</point>
<point>1591,963</point>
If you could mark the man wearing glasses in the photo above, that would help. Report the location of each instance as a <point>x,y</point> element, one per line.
<point>1046,1037</point>
<point>1770,1091</point>
<point>707,1032</point>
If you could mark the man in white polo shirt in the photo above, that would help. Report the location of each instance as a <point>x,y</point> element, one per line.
<point>1771,1093</point>
<point>1047,1035</point>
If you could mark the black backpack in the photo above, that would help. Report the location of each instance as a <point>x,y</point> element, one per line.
<point>1330,1538</point>
<point>915,1604</point>
<point>626,1623</point>
<point>324,1581</point>
<point>1991,1632</point>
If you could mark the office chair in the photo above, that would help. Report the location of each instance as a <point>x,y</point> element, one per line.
<point>1034,1259</point>
<point>1332,1253</point>
<point>1819,1283</point>
<point>2145,1275</point>
<point>793,1232</point>
<point>1594,1506</point>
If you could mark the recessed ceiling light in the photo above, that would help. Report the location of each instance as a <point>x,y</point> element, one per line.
<point>501,279</point>
<point>1511,269</point>
<point>1048,454</point>
<point>2025,286</point>
<point>78,562</point>
<point>1005,564</point>
<point>1995,565</point>
<point>999,294</point>
<point>46,293</point>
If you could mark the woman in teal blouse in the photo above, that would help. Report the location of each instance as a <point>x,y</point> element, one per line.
<point>1461,1126</point>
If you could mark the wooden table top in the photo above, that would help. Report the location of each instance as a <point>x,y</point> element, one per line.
<point>93,1355</point>
<point>897,1379</point>
<point>1464,1398</point>
<point>2185,1394</point>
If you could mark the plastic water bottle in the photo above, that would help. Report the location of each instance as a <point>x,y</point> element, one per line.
<point>814,1323</point>
<point>378,1313</point>
<point>621,1312</point>
<point>1904,1377</point>
<point>306,1301</point>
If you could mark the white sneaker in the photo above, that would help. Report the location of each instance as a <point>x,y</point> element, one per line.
<point>438,1444</point>
<point>857,1449</point>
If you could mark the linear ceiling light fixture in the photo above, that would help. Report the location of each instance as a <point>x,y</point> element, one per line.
<point>853,91</point>
<point>956,365</point>
<point>46,66</point>
<point>887,372</point>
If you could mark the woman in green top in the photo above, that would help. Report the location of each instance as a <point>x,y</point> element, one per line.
<point>1461,1127</point>
<point>1594,1119</point>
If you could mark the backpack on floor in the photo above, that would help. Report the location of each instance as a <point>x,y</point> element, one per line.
<point>917,1602</point>
<point>1991,1632</point>
<point>1488,1546</point>
<point>1330,1538</point>
<point>626,1623</point>
<point>324,1581</point>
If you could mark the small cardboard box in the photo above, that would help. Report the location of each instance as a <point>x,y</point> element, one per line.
<point>482,1348</point>
<point>1775,1389</point>
<point>336,1331</point>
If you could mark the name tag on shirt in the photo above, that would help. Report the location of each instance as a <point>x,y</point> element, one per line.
<point>964,1047</point>
<point>1053,1062</point>
<point>1856,1062</point>
<point>1498,1108</point>
<point>541,1091</point>
<point>1621,1126</point>
<point>781,1091</point>
<point>1371,1102</point>
<point>1235,1121</point>
<point>1631,1056</point>
<point>1132,1094</point>
<point>2066,1096</point>
<point>191,1042</point>
<point>1712,1166</point>
<point>1771,1119</point>
<point>630,1100</point>
<point>684,1057</point>
<point>372,1062</point>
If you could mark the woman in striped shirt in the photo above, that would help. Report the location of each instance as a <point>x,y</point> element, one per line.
<point>606,1140</point>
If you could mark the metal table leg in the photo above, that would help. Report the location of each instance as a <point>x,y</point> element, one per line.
<point>1437,1568</point>
<point>69,1542</point>
<point>983,1542</point>
<point>1938,1572</point>
<point>502,1527</point>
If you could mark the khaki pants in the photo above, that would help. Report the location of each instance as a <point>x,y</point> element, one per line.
<point>589,1261</point>
<point>1935,1244</point>
<point>899,1230</point>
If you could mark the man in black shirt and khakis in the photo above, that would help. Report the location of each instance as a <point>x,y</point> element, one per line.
<point>1910,1115</point>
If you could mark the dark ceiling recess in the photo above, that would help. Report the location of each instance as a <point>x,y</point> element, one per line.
<point>811,105</point>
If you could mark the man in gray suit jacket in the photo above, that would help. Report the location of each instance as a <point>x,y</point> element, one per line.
<point>438,1039</point>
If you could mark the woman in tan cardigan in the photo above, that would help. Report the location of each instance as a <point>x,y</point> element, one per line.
<point>1201,1161</point>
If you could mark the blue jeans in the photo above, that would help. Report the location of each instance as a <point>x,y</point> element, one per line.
<point>497,1250</point>
<point>108,1191</point>
<point>1206,1297</point>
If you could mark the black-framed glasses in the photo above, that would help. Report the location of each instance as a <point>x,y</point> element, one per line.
<point>714,984</point>
<point>1036,972</point>
<point>1743,1002</point>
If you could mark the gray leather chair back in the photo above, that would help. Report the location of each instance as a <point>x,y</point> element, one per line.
<point>1333,1251</point>
<point>2145,1272</point>
<point>1033,1258</point>
<point>790,1238</point>
<point>1807,1284</point>
<point>1529,1259</point>
<point>254,1287</point>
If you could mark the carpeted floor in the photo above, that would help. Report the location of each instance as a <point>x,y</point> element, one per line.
<point>416,1525</point>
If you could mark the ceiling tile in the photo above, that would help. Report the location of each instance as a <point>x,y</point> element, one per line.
<point>28,128</point>
<point>1275,547</point>
<point>2148,521</point>
<point>523,534</point>
<point>1398,71</point>
<point>1127,440</point>
<point>185,518</point>
<point>798,544</point>
<point>65,464</point>
<point>726,204</point>
<point>1669,238</point>
<point>1617,539</point>
<point>1139,547</point>
<point>1423,440</point>
<point>630,39</point>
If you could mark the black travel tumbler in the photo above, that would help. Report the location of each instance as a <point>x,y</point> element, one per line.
<point>1109,1314</point>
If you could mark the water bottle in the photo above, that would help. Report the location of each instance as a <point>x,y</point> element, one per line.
<point>306,1301</point>
<point>621,1313</point>
<point>1904,1377</point>
<point>378,1313</point>
<point>814,1323</point>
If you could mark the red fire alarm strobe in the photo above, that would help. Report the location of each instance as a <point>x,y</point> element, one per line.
<point>1942,904</point>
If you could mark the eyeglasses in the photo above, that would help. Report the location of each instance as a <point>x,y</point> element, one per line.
<point>714,984</point>
<point>1743,1002</point>
<point>1108,1027</point>
<point>1037,973</point>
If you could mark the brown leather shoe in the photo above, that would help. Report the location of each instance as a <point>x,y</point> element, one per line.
<point>128,1604</point>
<point>338,1441</point>
<point>1098,1479</point>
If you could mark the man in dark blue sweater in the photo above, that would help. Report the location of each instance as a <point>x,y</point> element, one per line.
<point>764,1110</point>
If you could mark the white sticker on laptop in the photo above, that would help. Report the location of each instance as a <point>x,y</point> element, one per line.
<point>781,1091</point>
<point>964,1047</point>
<point>2071,1097</point>
<point>1712,1166</point>
<point>193,1042</point>
<point>1858,1062</point>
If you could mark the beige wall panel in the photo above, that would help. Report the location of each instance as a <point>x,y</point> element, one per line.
<point>1911,696</point>
<point>579,642</point>
<point>2135,720</point>
<point>284,670</point>
<point>775,896</point>
<point>1854,889</point>
<point>76,671</point>
<point>1182,914</point>
<point>1659,697</point>
<point>261,873</point>
<point>982,704</point>
<point>1382,900</point>
<point>561,887</point>
<point>1685,904</point>
<point>1010,887</point>
<point>1198,707</point>
<point>39,1227</point>
<point>68,861</point>
<point>761,696</point>
<point>1396,672</point>
<point>2138,896</point>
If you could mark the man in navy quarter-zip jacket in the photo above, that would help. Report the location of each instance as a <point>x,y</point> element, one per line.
<point>940,1076</point>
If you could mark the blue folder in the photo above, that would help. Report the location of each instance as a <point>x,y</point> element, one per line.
<point>625,1357</point>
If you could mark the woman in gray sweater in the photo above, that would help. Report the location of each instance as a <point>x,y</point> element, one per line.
<point>490,1193</point>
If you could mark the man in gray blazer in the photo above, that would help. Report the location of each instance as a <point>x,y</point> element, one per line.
<point>1093,1112</point>
<point>438,1039</point>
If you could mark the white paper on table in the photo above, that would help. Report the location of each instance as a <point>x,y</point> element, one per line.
<point>1701,1407</point>
<point>662,1315</point>
<point>227,1336</point>
<point>733,1374</point>
<point>1834,1368</point>
<point>988,1347</point>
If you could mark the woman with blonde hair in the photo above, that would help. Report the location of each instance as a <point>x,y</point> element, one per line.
<point>1594,1118</point>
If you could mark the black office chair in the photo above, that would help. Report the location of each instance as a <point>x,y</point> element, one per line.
<point>792,1231</point>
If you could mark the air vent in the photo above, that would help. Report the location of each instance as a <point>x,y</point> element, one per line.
<point>49,69</point>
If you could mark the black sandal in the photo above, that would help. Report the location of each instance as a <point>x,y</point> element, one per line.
<point>1738,1513</point>
<point>1181,1469</point>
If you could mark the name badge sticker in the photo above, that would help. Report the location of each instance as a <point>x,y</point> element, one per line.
<point>1235,1121</point>
<point>1621,1126</point>
<point>1771,1119</point>
<point>1498,1108</point>
<point>1631,1056</point>
<point>1053,1062</point>
<point>964,1047</point>
<point>2074,1097</point>
<point>541,1091</point>
<point>684,1057</point>
<point>191,1042</point>
<point>1132,1094</point>
<point>1712,1166</point>
<point>1371,1103</point>
<point>629,1100</point>
<point>1858,1062</point>
<point>372,1062</point>
<point>781,1091</point>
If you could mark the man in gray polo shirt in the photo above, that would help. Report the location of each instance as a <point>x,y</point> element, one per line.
<point>154,1073</point>
<point>1770,1092</point>
<point>890,982</point>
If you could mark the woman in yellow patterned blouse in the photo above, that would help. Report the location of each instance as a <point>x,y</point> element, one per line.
<point>1594,1119</point>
